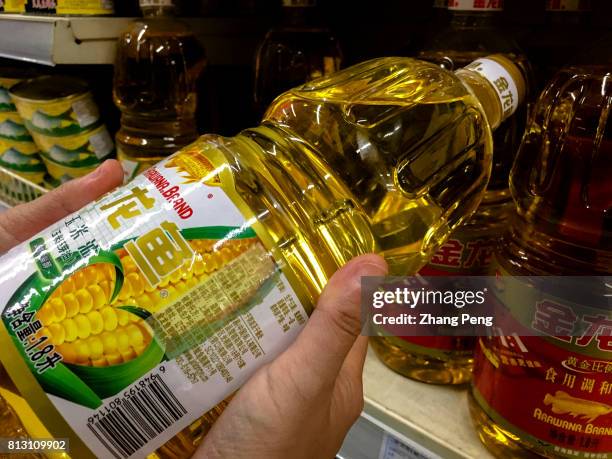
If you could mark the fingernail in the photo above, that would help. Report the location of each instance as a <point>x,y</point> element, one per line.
<point>369,268</point>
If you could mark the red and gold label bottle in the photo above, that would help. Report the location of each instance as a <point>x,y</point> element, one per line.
<point>551,395</point>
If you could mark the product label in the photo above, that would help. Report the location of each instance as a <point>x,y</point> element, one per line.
<point>501,80</point>
<point>25,147</point>
<point>476,5</point>
<point>12,130</point>
<point>80,7</point>
<point>554,392</point>
<point>62,117</point>
<point>14,6</point>
<point>147,308</point>
<point>568,5</point>
<point>79,150</point>
<point>6,103</point>
<point>467,253</point>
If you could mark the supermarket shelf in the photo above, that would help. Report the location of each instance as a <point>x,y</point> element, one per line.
<point>53,40</point>
<point>430,421</point>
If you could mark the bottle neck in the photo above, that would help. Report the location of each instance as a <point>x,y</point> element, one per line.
<point>497,83</point>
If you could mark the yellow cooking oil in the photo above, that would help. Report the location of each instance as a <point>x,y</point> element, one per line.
<point>388,156</point>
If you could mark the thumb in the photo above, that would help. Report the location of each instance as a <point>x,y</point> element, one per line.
<point>26,220</point>
<point>335,324</point>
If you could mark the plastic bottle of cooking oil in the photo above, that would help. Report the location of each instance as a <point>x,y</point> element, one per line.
<point>158,63</point>
<point>301,48</point>
<point>473,31</point>
<point>154,304</point>
<point>550,395</point>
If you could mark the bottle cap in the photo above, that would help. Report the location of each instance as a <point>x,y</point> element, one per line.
<point>475,5</point>
<point>299,3</point>
<point>505,77</point>
<point>568,5</point>
<point>148,3</point>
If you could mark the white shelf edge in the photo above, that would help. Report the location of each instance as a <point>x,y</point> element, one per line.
<point>54,40</point>
<point>433,420</point>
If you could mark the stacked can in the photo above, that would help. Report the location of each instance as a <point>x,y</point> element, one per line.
<point>18,152</point>
<point>62,117</point>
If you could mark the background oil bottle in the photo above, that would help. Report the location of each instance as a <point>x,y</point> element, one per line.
<point>474,29</point>
<point>550,395</point>
<point>301,48</point>
<point>157,66</point>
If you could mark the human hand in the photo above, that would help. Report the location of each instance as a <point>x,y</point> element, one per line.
<point>303,403</point>
<point>26,220</point>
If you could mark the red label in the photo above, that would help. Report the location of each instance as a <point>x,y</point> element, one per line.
<point>556,396</point>
<point>464,255</point>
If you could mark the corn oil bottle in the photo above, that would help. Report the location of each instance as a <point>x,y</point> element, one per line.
<point>473,31</point>
<point>549,395</point>
<point>159,60</point>
<point>126,325</point>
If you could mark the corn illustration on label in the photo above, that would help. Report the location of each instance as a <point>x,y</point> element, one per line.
<point>146,308</point>
<point>554,391</point>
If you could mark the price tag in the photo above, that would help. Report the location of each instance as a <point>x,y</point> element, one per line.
<point>392,448</point>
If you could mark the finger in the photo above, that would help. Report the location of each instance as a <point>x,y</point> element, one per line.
<point>26,220</point>
<point>352,367</point>
<point>322,347</point>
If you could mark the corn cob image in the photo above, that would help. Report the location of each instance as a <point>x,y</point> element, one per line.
<point>210,256</point>
<point>78,319</point>
<point>104,336</point>
<point>87,329</point>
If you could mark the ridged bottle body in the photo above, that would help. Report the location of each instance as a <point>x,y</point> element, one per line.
<point>448,360</point>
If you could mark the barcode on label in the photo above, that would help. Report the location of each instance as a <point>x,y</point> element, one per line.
<point>132,421</point>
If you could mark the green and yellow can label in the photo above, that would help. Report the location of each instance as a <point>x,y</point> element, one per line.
<point>61,117</point>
